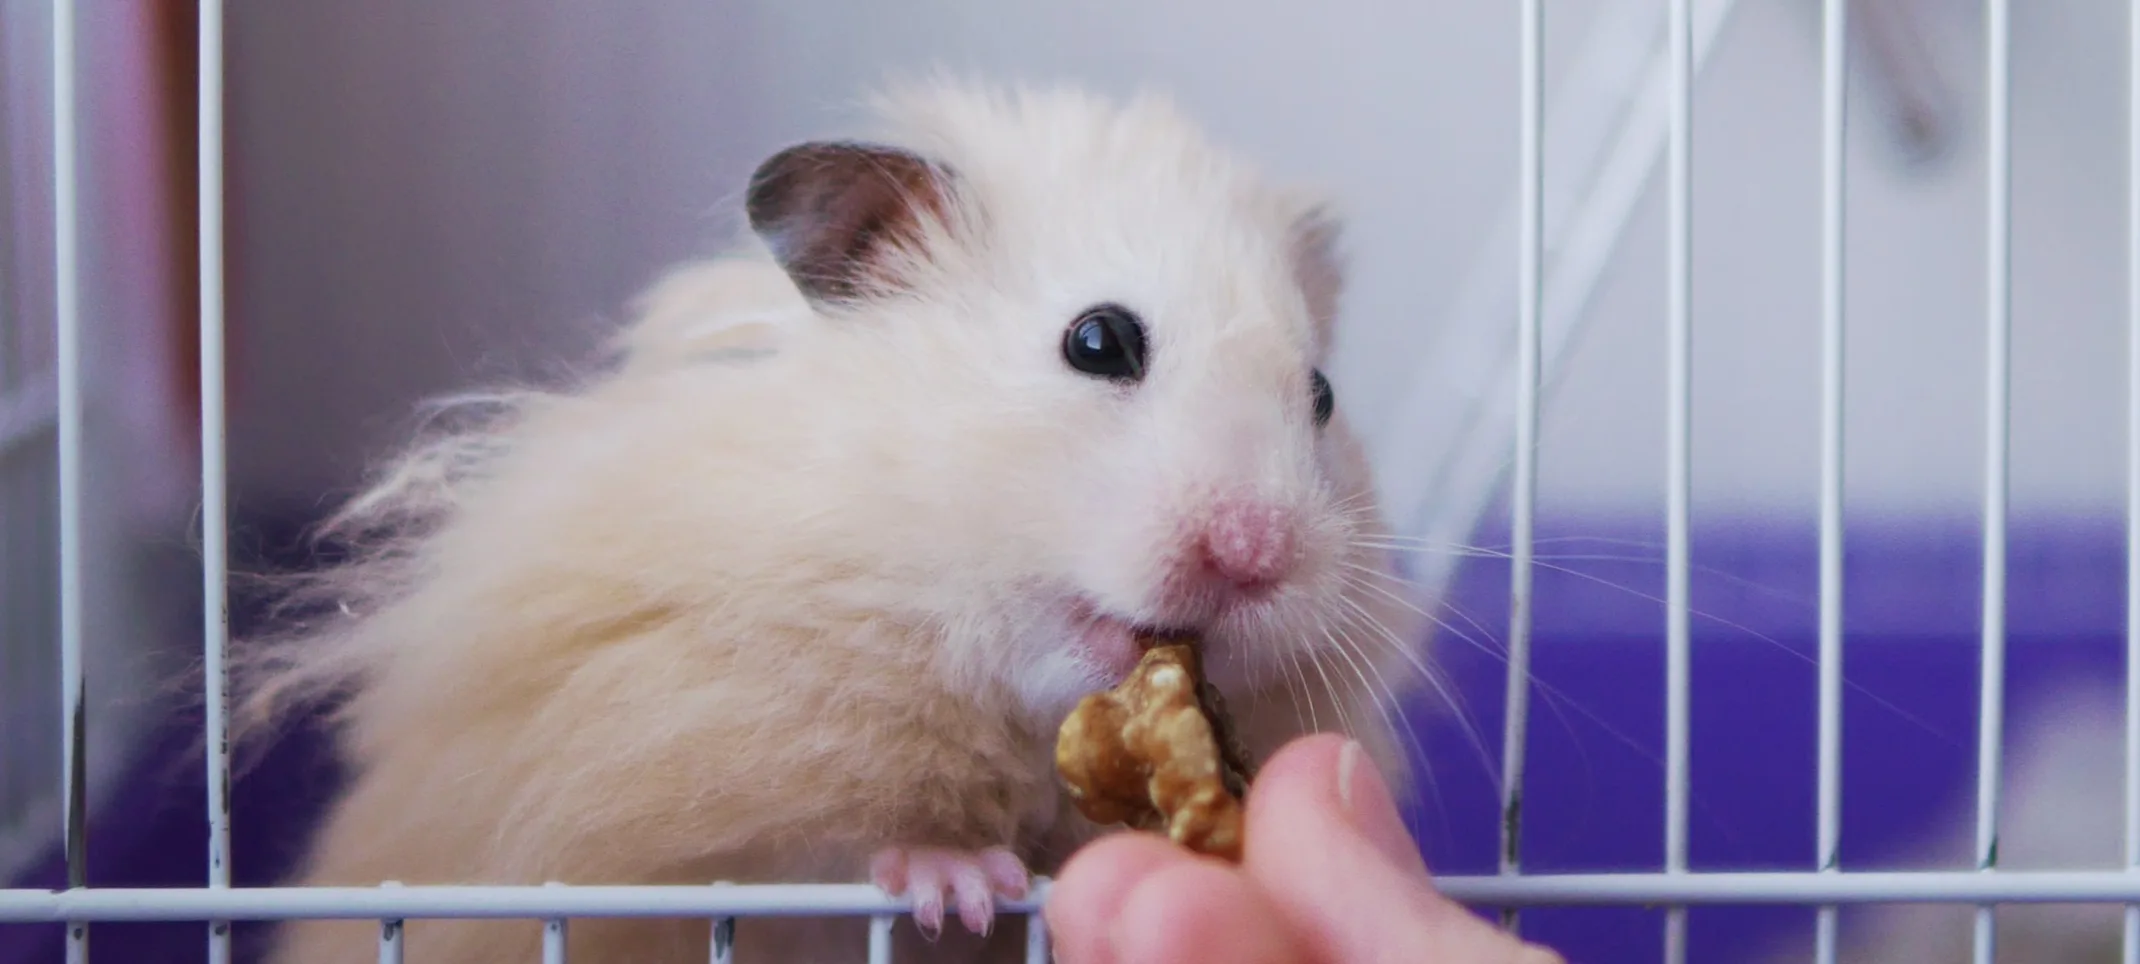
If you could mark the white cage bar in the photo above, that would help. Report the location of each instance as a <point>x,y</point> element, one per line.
<point>880,939</point>
<point>554,930</point>
<point>444,902</point>
<point>67,281</point>
<point>390,941</point>
<point>215,528</point>
<point>1679,411</point>
<point>1991,703</point>
<point>1530,256</point>
<point>2131,941</point>
<point>1826,887</point>
<point>1828,829</point>
<point>553,941</point>
<point>722,944</point>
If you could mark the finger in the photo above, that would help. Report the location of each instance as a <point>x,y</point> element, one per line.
<point>1090,891</point>
<point>1338,791</point>
<point>1325,840</point>
<point>1198,911</point>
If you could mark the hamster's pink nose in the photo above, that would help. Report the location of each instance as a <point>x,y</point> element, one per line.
<point>1250,543</point>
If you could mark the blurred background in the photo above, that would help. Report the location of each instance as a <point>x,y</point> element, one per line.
<point>430,196</point>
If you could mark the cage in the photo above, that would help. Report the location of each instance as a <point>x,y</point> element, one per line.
<point>1647,294</point>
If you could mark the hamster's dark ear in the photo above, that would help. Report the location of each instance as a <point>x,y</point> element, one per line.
<point>831,211</point>
<point>1318,267</point>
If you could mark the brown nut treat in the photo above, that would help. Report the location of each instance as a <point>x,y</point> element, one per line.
<point>1156,754</point>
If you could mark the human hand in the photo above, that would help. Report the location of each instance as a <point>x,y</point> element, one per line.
<point>1330,876</point>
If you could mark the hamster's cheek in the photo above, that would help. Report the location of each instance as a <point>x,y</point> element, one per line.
<point>1107,573</point>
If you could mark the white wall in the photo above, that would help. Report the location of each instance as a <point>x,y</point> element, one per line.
<point>445,189</point>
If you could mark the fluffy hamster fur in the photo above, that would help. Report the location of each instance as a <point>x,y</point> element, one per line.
<point>817,567</point>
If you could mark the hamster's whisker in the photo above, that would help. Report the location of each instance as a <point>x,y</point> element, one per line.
<point>1905,715</point>
<point>1387,545</point>
<point>1386,703</point>
<point>1554,697</point>
<point>1304,697</point>
<point>1383,697</point>
<point>1315,663</point>
<point>1363,585</point>
<point>1449,696</point>
<point>1393,543</point>
<point>1388,700</point>
<point>1650,597</point>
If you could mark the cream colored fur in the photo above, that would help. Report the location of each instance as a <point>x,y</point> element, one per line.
<point>789,585</point>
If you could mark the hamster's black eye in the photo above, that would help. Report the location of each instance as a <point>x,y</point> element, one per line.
<point>1325,399</point>
<point>1108,342</point>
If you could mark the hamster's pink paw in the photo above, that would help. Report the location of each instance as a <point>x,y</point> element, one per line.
<point>928,875</point>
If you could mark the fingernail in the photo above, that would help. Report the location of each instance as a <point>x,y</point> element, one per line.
<point>1372,810</point>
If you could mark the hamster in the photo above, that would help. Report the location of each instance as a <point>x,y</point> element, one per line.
<point>800,588</point>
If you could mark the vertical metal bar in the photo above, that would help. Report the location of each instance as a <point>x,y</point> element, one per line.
<point>553,941</point>
<point>2132,472</point>
<point>553,935</point>
<point>1998,331</point>
<point>1529,258</point>
<point>390,941</point>
<point>1829,830</point>
<point>215,542</point>
<point>1036,938</point>
<point>391,935</point>
<point>66,243</point>
<point>880,939</point>
<point>723,950</point>
<point>1679,50</point>
<point>722,941</point>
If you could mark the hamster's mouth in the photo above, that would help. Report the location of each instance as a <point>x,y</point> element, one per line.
<point>1109,642</point>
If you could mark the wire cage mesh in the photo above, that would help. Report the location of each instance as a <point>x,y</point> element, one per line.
<point>1450,485</point>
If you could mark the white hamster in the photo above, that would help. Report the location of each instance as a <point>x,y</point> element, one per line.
<point>801,587</point>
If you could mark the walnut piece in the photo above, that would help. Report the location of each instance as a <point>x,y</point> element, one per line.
<point>1157,754</point>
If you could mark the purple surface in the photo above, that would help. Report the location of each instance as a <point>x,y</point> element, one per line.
<point>1594,798</point>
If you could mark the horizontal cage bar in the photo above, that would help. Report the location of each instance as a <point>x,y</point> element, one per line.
<point>863,900</point>
<point>463,902</point>
<point>1810,888</point>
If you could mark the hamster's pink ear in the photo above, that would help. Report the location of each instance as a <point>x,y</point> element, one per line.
<point>1318,267</point>
<point>835,213</point>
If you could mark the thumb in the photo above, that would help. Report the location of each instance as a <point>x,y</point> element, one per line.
<point>1325,839</point>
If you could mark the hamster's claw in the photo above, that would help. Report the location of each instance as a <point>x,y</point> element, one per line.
<point>925,875</point>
